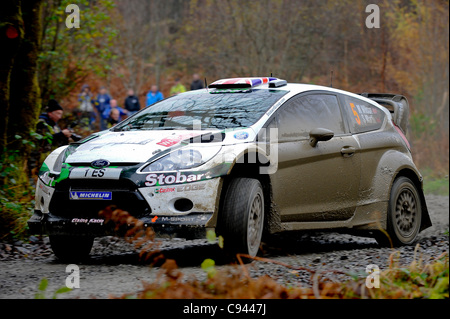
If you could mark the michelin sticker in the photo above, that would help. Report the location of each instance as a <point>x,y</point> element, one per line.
<point>90,195</point>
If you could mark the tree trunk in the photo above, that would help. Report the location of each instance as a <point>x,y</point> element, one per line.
<point>25,101</point>
<point>19,94</point>
<point>11,35</point>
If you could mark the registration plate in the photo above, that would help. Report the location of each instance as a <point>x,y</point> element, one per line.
<point>95,173</point>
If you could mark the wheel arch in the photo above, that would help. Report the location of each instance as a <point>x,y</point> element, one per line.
<point>243,168</point>
<point>392,165</point>
<point>418,182</point>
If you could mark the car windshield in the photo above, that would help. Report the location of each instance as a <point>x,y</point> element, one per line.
<point>203,109</point>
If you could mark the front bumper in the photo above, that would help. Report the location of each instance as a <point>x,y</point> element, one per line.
<point>182,210</point>
<point>189,226</point>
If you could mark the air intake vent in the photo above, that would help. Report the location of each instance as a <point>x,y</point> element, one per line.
<point>277,83</point>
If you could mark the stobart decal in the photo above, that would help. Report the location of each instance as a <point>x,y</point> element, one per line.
<point>161,179</point>
<point>168,179</point>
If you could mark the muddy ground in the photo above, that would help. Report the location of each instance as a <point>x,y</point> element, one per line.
<point>115,269</point>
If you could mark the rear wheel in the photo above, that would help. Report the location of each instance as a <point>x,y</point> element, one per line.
<point>404,214</point>
<point>241,221</point>
<point>71,248</point>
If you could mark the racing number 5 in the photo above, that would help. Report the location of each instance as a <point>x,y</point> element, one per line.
<point>358,120</point>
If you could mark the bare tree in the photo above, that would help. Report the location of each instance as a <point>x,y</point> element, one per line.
<point>146,29</point>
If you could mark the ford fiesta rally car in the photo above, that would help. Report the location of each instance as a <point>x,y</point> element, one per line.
<point>243,157</point>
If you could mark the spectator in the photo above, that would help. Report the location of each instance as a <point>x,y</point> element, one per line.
<point>132,104</point>
<point>114,117</point>
<point>154,95</point>
<point>177,88</point>
<point>103,100</point>
<point>53,136</point>
<point>196,83</point>
<point>113,106</point>
<point>86,109</point>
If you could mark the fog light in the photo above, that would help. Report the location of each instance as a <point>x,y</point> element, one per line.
<point>183,204</point>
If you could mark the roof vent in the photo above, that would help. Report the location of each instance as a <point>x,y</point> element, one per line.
<point>277,83</point>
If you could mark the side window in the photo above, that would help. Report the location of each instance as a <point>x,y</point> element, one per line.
<point>302,114</point>
<point>364,116</point>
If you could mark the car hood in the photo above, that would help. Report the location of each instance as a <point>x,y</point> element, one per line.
<point>139,146</point>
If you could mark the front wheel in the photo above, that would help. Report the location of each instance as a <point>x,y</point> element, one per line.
<point>71,248</point>
<point>241,220</point>
<point>404,214</point>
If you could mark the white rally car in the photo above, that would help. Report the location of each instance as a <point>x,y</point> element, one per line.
<point>245,156</point>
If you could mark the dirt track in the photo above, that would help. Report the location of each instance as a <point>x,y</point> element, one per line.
<point>114,269</point>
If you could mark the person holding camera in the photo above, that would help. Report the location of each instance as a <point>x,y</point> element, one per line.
<point>48,123</point>
<point>52,136</point>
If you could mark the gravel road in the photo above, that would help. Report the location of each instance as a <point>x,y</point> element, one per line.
<point>115,268</point>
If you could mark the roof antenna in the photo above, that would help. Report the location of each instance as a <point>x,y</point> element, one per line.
<point>331,79</point>
<point>206,85</point>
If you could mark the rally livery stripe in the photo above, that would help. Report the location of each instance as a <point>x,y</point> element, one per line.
<point>231,81</point>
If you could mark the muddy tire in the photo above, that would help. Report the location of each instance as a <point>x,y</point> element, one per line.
<point>71,248</point>
<point>404,214</point>
<point>241,220</point>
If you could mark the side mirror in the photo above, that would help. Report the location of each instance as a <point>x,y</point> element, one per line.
<point>319,134</point>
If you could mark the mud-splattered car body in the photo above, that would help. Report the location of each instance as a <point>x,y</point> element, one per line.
<point>243,156</point>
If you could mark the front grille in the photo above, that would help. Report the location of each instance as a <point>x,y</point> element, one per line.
<point>96,184</point>
<point>124,195</point>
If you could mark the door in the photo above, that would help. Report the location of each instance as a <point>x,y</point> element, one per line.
<point>321,182</point>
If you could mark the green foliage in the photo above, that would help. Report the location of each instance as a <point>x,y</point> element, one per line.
<point>75,53</point>
<point>422,123</point>
<point>435,184</point>
<point>428,281</point>
<point>209,266</point>
<point>417,280</point>
<point>437,187</point>
<point>43,285</point>
<point>212,238</point>
<point>16,194</point>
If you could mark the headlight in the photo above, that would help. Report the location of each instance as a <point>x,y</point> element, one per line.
<point>58,163</point>
<point>184,158</point>
<point>57,166</point>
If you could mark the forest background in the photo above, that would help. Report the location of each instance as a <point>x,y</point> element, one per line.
<point>124,44</point>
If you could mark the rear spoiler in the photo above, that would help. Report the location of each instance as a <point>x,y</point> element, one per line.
<point>396,104</point>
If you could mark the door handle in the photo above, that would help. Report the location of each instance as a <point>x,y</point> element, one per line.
<point>348,151</point>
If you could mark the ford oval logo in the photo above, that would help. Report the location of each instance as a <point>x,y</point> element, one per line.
<point>241,135</point>
<point>100,163</point>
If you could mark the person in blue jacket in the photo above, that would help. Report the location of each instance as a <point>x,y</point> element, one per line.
<point>154,95</point>
<point>102,103</point>
<point>112,106</point>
